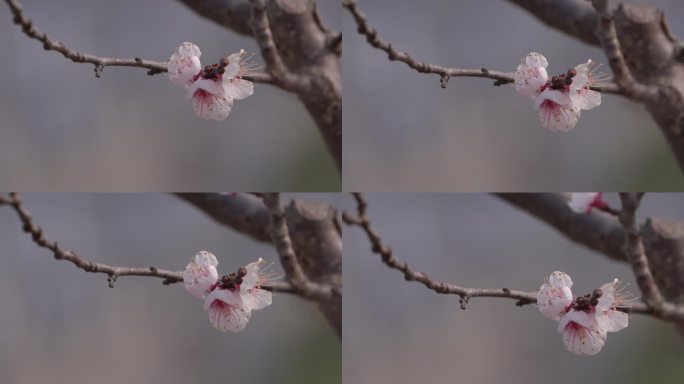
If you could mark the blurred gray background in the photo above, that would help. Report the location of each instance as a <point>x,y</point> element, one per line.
<point>403,132</point>
<point>63,129</point>
<point>59,324</point>
<point>399,332</point>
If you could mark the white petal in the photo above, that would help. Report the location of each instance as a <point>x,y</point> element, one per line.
<point>252,277</point>
<point>586,99</point>
<point>214,87</point>
<point>557,117</point>
<point>199,275</point>
<point>581,201</point>
<point>555,296</point>
<point>607,300</point>
<point>580,317</point>
<point>226,296</point>
<point>558,97</point>
<point>583,340</point>
<point>233,69</point>
<point>226,317</point>
<point>612,321</point>
<point>205,259</point>
<point>529,80</point>
<point>238,88</point>
<point>211,107</point>
<point>257,298</point>
<point>184,64</point>
<point>534,59</point>
<point>581,79</point>
<point>188,50</point>
<point>560,279</point>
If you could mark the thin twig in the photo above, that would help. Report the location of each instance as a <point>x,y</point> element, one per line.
<point>113,272</point>
<point>445,73</point>
<point>274,63</point>
<point>283,243</point>
<point>611,45</point>
<point>523,298</point>
<point>154,67</point>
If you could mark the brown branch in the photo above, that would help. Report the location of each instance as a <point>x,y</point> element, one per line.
<point>113,272</point>
<point>445,73</point>
<point>154,67</point>
<point>242,212</point>
<point>599,232</point>
<point>274,63</point>
<point>609,40</point>
<point>233,14</point>
<point>573,17</point>
<point>523,298</point>
<point>283,243</point>
<point>636,255</point>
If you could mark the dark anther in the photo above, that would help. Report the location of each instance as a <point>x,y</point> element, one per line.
<point>242,272</point>
<point>224,62</point>
<point>568,80</point>
<point>222,70</point>
<point>581,301</point>
<point>572,72</point>
<point>597,293</point>
<point>238,280</point>
<point>207,69</point>
<point>554,79</point>
<point>594,301</point>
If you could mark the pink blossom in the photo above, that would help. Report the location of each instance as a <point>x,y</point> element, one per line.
<point>584,321</point>
<point>213,88</point>
<point>200,274</point>
<point>250,290</point>
<point>582,333</point>
<point>226,310</point>
<point>230,299</point>
<point>583,202</point>
<point>531,76</point>
<point>184,64</point>
<point>607,315</point>
<point>555,295</point>
<point>559,100</point>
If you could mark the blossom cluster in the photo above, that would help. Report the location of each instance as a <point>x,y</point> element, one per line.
<point>585,320</point>
<point>213,88</point>
<point>229,300</point>
<point>560,99</point>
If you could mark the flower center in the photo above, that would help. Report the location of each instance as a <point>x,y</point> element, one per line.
<point>587,302</point>
<point>231,281</point>
<point>214,71</point>
<point>561,82</point>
